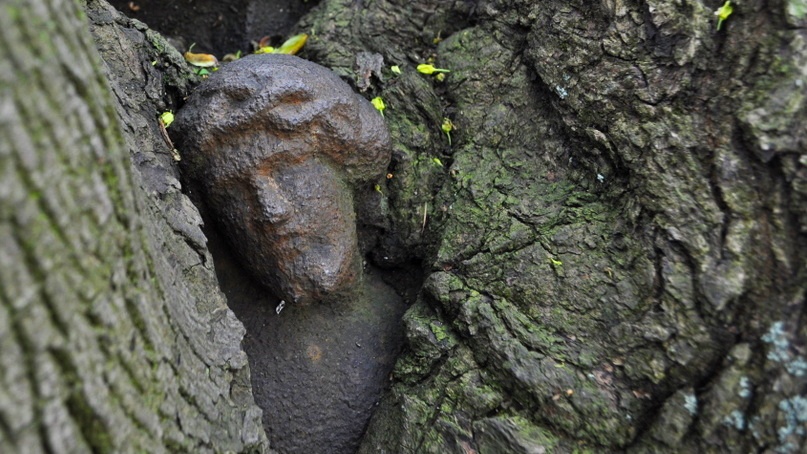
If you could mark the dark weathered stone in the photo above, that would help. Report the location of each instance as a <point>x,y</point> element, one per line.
<point>276,144</point>
<point>319,370</point>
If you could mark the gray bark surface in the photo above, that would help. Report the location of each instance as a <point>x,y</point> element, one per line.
<point>113,334</point>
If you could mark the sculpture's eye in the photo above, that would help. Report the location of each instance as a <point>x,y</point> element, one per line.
<point>244,89</point>
<point>293,97</point>
<point>240,94</point>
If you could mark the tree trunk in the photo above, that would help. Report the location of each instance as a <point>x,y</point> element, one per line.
<point>616,234</point>
<point>114,337</point>
<point>615,231</point>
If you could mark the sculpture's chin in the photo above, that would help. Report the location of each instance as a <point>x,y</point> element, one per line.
<point>316,274</point>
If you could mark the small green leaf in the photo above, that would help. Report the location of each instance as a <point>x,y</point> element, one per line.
<point>437,161</point>
<point>396,69</point>
<point>378,103</point>
<point>167,118</point>
<point>447,127</point>
<point>292,45</point>
<point>723,13</point>
<point>430,69</point>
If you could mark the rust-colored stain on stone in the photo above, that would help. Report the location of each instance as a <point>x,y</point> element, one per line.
<point>314,352</point>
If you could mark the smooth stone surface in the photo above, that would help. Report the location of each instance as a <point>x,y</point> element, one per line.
<point>318,371</point>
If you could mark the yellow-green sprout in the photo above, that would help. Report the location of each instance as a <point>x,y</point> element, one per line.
<point>447,127</point>
<point>378,103</point>
<point>723,13</point>
<point>167,118</point>
<point>292,45</point>
<point>438,38</point>
<point>396,69</point>
<point>425,68</point>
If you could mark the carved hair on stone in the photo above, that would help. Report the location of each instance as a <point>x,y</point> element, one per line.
<point>277,144</point>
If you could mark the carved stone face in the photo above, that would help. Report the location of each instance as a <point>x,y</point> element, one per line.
<point>277,144</point>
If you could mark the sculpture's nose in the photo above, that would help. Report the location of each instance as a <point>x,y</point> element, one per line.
<point>272,207</point>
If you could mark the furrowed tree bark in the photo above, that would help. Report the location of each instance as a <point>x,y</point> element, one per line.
<point>113,335</point>
<point>615,237</point>
<point>617,243</point>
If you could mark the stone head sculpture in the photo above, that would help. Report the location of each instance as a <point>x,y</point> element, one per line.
<point>276,145</point>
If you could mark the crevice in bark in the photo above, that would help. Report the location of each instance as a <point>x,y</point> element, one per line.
<point>92,426</point>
